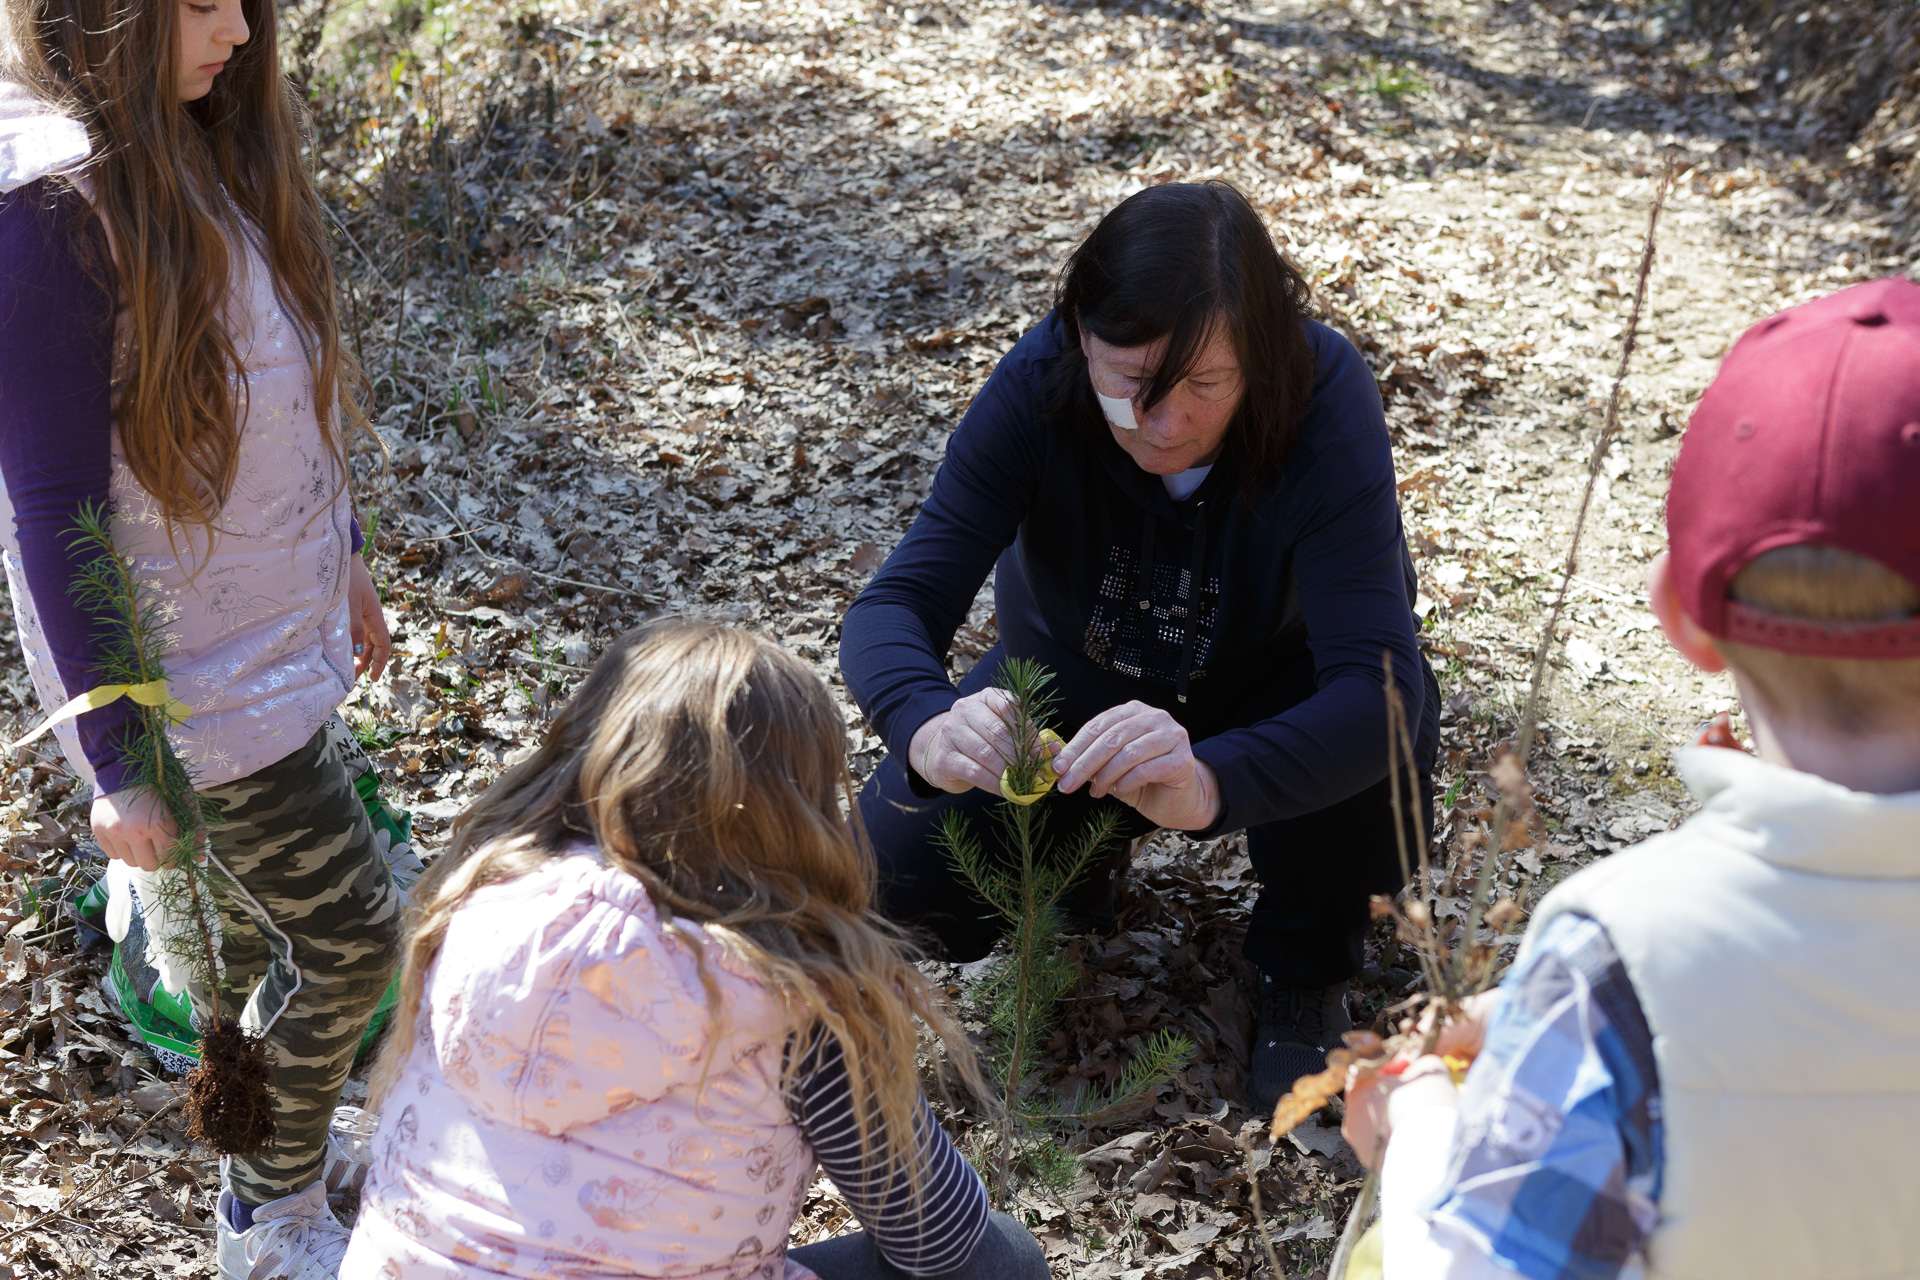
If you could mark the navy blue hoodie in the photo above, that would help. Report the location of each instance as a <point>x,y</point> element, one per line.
<point>1276,675</point>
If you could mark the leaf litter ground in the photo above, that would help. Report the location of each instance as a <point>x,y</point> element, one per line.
<point>672,307</point>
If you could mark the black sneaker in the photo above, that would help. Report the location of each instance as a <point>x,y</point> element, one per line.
<point>1294,1028</point>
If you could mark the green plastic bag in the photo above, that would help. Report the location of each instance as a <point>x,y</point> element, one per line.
<point>163,1021</point>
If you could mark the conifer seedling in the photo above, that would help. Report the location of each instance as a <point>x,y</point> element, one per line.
<point>1023,986</point>
<point>229,1104</point>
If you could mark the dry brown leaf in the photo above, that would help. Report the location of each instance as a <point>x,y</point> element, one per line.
<point>1308,1095</point>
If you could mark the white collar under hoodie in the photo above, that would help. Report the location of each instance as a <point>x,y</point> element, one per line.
<point>35,139</point>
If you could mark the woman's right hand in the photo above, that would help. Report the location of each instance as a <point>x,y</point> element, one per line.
<point>131,825</point>
<point>966,746</point>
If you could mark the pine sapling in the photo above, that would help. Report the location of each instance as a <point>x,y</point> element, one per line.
<point>229,1104</point>
<point>1022,989</point>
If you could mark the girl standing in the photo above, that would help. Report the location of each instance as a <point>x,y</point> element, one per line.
<point>647,992</point>
<point>169,348</point>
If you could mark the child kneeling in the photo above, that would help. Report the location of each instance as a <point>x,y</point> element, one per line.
<point>1706,1061</point>
<point>646,992</point>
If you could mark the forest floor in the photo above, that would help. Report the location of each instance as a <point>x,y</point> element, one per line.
<point>671,307</point>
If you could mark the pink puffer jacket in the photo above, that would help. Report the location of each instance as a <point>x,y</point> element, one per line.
<point>551,1120</point>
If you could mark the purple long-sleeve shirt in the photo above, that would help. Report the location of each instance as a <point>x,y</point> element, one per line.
<point>56,430</point>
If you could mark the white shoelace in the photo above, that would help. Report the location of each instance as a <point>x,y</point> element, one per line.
<point>295,1239</point>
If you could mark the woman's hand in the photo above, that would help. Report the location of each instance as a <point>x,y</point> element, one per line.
<point>965,746</point>
<point>367,622</point>
<point>132,826</point>
<point>1141,756</point>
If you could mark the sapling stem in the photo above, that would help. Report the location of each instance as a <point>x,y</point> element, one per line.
<point>1025,987</point>
<point>1470,967</point>
<point>1493,855</point>
<point>229,1104</point>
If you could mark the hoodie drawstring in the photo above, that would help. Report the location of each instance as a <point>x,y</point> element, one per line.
<point>1143,586</point>
<point>1193,599</point>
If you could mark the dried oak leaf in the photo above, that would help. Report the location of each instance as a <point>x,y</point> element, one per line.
<point>1503,914</point>
<point>1510,776</point>
<point>1310,1093</point>
<point>585,549</point>
<point>944,340</point>
<point>507,585</point>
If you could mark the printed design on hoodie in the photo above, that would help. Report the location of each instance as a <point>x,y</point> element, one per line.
<point>1145,644</point>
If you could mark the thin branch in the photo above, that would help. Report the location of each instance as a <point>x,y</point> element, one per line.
<point>550,577</point>
<point>1543,651</point>
<point>1259,1212</point>
<point>66,1206</point>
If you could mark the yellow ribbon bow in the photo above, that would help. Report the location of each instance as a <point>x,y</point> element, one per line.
<point>153,693</point>
<point>1045,778</point>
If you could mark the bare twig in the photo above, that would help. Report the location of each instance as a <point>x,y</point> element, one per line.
<point>1451,978</point>
<point>1543,651</point>
<point>490,558</point>
<point>1356,1225</point>
<point>1259,1211</point>
<point>66,1206</point>
<point>1400,755</point>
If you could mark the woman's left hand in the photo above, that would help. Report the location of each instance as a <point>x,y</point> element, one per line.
<point>367,622</point>
<point>1141,756</point>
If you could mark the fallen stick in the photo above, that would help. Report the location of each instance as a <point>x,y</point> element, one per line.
<point>1454,980</point>
<point>1259,1211</point>
<point>461,530</point>
<point>66,1206</point>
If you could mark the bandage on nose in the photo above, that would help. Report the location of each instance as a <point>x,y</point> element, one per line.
<point>1119,412</point>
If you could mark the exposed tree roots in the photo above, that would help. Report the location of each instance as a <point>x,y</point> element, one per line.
<point>229,1106</point>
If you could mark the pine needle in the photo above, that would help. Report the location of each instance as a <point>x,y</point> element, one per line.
<point>229,1104</point>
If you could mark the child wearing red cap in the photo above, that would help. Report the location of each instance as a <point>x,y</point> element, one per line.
<point>1706,1060</point>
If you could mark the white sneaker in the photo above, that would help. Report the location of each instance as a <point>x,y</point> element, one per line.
<point>349,1150</point>
<point>293,1238</point>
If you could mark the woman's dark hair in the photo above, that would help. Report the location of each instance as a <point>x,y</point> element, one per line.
<point>1174,261</point>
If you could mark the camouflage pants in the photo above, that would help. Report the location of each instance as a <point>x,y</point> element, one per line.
<point>311,921</point>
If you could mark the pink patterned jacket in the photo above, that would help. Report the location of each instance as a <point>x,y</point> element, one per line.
<point>551,1120</point>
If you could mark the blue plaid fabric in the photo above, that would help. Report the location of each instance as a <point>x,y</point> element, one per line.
<point>1556,1163</point>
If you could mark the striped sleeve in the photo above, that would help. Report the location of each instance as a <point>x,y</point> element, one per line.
<point>932,1236</point>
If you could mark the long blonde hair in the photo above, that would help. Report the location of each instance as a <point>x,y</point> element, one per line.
<point>165,179</point>
<point>710,765</point>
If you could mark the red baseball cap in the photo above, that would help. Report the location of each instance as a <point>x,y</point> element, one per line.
<point>1810,433</point>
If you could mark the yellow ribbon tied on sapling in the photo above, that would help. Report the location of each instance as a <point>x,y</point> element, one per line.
<point>153,693</point>
<point>1044,775</point>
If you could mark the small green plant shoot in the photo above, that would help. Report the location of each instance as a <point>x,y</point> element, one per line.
<point>1024,984</point>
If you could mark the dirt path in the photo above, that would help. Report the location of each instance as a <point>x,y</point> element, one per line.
<point>672,307</point>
